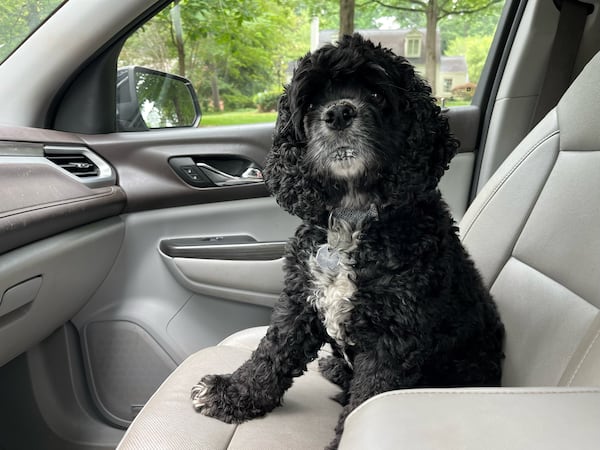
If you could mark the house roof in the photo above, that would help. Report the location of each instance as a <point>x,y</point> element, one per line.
<point>392,39</point>
<point>453,64</point>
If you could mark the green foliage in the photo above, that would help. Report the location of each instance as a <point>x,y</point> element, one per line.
<point>267,101</point>
<point>164,102</point>
<point>18,18</point>
<point>231,50</point>
<point>236,101</point>
<point>475,49</point>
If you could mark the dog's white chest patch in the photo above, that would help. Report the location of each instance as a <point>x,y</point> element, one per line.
<point>334,280</point>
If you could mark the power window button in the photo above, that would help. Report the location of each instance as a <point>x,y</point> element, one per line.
<point>189,170</point>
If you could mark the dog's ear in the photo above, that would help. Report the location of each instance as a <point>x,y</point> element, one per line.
<point>285,173</point>
<point>430,130</point>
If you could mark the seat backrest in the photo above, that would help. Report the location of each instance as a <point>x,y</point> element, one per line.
<point>534,233</point>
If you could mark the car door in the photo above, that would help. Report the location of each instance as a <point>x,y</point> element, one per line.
<point>187,260</point>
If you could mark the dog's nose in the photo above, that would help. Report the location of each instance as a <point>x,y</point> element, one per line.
<point>340,116</point>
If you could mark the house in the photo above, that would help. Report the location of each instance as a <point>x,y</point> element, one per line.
<point>410,43</point>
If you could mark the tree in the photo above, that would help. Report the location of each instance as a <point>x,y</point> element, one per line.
<point>346,17</point>
<point>435,11</point>
<point>18,18</point>
<point>475,50</point>
<point>230,50</point>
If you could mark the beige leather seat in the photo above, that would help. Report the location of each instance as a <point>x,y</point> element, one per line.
<point>534,232</point>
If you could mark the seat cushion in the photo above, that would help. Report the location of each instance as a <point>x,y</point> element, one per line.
<point>168,421</point>
<point>474,419</point>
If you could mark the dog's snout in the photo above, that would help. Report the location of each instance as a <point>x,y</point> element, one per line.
<point>340,116</point>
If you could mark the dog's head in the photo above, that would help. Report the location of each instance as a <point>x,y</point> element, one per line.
<point>355,121</point>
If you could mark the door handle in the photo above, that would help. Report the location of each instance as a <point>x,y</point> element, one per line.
<point>220,178</point>
<point>202,174</point>
<point>231,248</point>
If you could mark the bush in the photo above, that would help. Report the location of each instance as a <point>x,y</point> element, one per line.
<point>267,101</point>
<point>233,102</point>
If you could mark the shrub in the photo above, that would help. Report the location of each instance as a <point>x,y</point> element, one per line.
<point>267,101</point>
<point>233,101</point>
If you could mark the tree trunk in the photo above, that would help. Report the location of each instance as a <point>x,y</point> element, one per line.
<point>346,17</point>
<point>431,55</point>
<point>214,86</point>
<point>178,32</point>
<point>33,15</point>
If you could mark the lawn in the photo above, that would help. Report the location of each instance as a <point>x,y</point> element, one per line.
<point>236,118</point>
<point>242,117</point>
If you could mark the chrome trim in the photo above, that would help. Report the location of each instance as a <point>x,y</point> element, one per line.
<point>106,175</point>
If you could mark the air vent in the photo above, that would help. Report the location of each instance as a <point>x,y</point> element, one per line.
<point>77,164</point>
<point>81,163</point>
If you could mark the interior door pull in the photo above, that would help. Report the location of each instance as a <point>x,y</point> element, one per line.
<point>232,248</point>
<point>220,178</point>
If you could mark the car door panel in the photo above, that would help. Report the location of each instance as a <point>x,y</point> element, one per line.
<point>150,182</point>
<point>456,182</point>
<point>51,221</point>
<point>144,309</point>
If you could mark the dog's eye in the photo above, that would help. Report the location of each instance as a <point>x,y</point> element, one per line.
<point>377,97</point>
<point>310,107</point>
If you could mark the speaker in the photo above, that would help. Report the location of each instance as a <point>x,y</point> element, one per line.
<point>125,365</point>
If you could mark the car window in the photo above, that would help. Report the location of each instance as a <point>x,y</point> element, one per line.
<point>19,18</point>
<point>237,55</point>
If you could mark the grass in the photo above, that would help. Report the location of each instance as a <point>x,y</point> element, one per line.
<point>450,103</point>
<point>246,116</point>
<point>241,117</point>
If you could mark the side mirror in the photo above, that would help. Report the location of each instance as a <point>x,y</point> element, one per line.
<point>150,99</point>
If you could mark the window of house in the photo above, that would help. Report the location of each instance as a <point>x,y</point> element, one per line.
<point>413,47</point>
<point>447,84</point>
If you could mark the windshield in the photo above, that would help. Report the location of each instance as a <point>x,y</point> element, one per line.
<point>19,18</point>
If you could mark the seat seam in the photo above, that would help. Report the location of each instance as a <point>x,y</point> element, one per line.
<point>576,348</point>
<point>231,437</point>
<point>512,256</point>
<point>587,351</point>
<point>523,225</point>
<point>507,176</point>
<point>473,393</point>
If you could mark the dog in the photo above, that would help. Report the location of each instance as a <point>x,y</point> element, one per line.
<point>376,269</point>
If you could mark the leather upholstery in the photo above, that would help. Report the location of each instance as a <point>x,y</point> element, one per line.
<point>168,422</point>
<point>534,232</point>
<point>488,419</point>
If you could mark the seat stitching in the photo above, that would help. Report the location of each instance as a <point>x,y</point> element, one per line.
<point>520,261</point>
<point>232,435</point>
<point>575,294</point>
<point>523,225</point>
<point>587,351</point>
<point>441,391</point>
<point>506,176</point>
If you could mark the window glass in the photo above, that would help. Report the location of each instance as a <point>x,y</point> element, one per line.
<point>238,54</point>
<point>19,18</point>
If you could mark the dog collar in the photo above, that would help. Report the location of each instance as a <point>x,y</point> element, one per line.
<point>355,217</point>
<point>328,256</point>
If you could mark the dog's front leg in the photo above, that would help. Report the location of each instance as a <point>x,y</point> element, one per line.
<point>292,341</point>
<point>374,373</point>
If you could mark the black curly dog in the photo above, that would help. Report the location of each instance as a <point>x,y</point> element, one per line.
<point>376,268</point>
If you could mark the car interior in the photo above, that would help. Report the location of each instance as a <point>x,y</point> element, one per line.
<point>123,281</point>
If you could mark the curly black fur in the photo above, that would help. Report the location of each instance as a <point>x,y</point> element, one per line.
<point>421,316</point>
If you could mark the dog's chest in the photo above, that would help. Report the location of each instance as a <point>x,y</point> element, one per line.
<point>333,279</point>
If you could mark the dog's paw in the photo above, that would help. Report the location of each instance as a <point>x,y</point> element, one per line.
<point>219,397</point>
<point>210,398</point>
<point>200,393</point>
